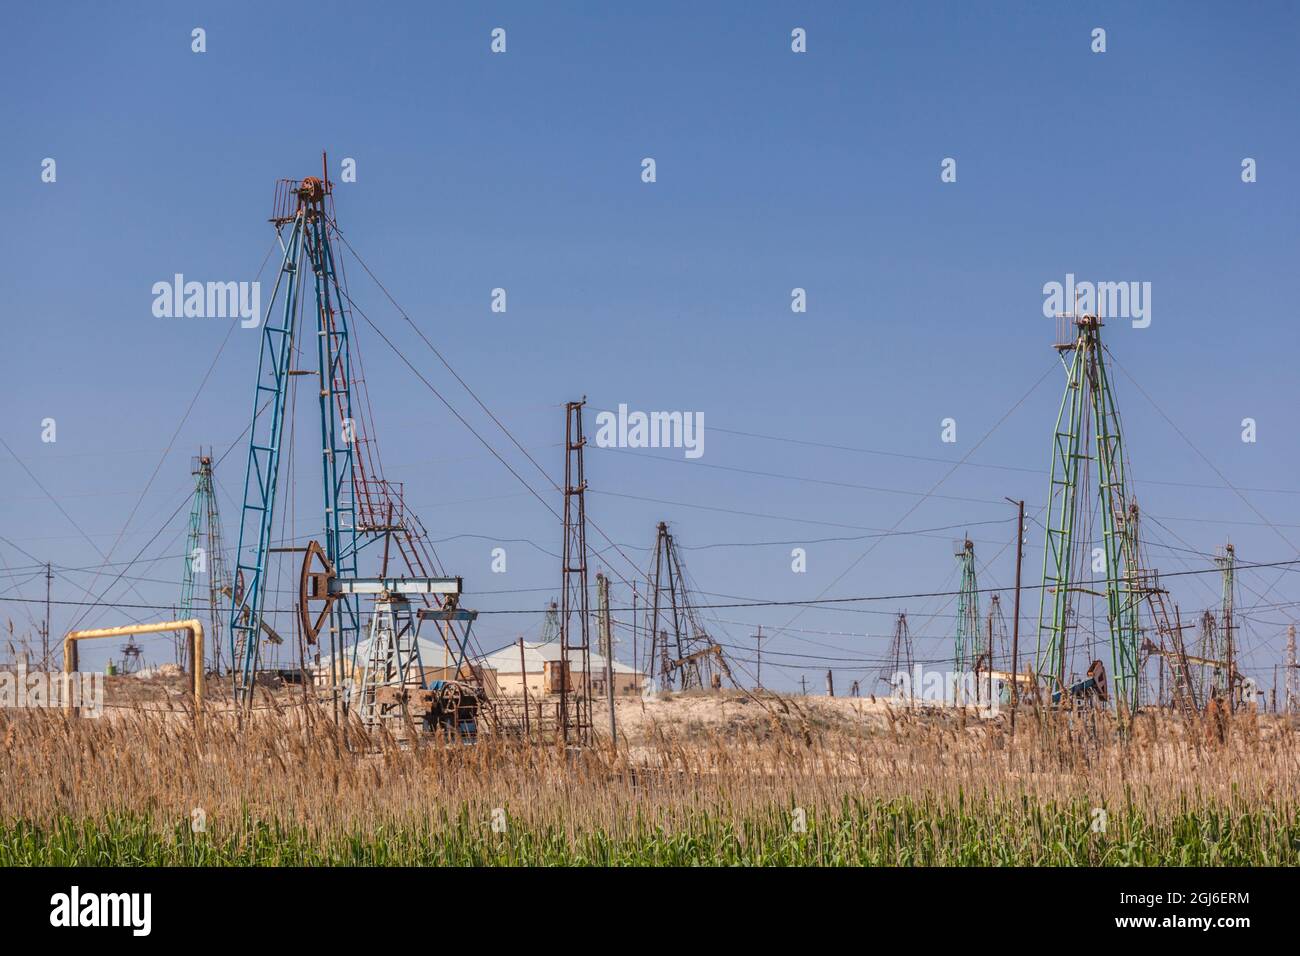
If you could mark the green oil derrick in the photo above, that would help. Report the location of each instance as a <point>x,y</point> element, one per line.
<point>1089,401</point>
<point>204,558</point>
<point>551,624</point>
<point>1224,676</point>
<point>968,612</point>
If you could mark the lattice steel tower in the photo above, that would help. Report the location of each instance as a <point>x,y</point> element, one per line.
<point>1088,417</point>
<point>575,643</point>
<point>995,644</point>
<point>1227,562</point>
<point>899,660</point>
<point>206,558</point>
<point>968,610</point>
<point>1213,656</point>
<point>683,652</point>
<point>306,230</point>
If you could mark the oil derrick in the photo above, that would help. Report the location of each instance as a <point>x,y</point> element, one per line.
<point>300,210</point>
<point>132,658</point>
<point>994,646</point>
<point>575,702</point>
<point>992,649</point>
<point>1088,429</point>
<point>967,648</point>
<point>360,508</point>
<point>666,601</point>
<point>899,661</point>
<point>551,624</point>
<point>204,555</point>
<point>682,651</point>
<point>1210,649</point>
<point>1227,562</point>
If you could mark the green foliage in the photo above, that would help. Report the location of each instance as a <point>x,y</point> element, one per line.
<point>853,832</point>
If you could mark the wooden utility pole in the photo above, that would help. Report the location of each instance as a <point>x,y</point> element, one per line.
<point>1291,691</point>
<point>803,685</point>
<point>994,603</point>
<point>991,633</point>
<point>1232,683</point>
<point>45,635</point>
<point>607,648</point>
<point>1015,621</point>
<point>760,656</point>
<point>523,681</point>
<point>1228,563</point>
<point>830,683</point>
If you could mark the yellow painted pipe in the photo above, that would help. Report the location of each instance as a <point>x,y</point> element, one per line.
<point>193,625</point>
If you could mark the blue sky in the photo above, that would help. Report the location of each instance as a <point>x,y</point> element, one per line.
<point>775,170</point>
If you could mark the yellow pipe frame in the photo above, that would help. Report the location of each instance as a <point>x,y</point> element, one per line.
<point>193,626</point>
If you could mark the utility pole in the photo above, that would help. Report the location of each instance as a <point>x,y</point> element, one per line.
<point>830,683</point>
<point>1015,622</point>
<point>993,608</point>
<point>1227,562</point>
<point>803,685</point>
<point>523,680</point>
<point>607,648</point>
<point>1292,672</point>
<point>759,637</point>
<point>45,635</point>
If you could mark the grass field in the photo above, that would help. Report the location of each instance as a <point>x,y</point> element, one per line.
<point>790,785</point>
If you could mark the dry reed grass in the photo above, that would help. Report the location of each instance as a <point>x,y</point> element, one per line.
<point>908,788</point>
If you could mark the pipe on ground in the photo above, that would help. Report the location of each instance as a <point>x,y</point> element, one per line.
<point>193,625</point>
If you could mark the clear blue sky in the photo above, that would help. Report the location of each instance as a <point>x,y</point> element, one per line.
<point>775,170</point>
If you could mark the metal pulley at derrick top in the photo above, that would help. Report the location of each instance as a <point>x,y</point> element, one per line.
<point>312,189</point>
<point>319,586</point>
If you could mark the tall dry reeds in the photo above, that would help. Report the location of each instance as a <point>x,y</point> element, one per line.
<point>291,787</point>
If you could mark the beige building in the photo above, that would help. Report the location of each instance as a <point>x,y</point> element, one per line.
<point>539,667</point>
<point>437,662</point>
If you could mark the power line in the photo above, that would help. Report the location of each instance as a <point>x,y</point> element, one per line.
<point>977,464</point>
<point>812,602</point>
